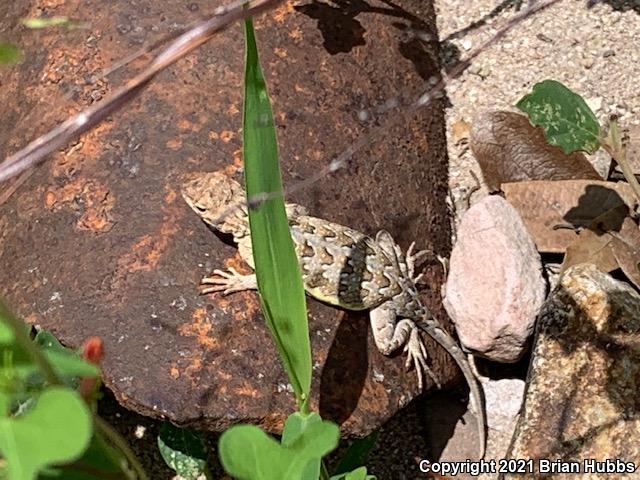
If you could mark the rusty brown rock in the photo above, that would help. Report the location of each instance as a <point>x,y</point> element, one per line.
<point>582,398</point>
<point>98,241</point>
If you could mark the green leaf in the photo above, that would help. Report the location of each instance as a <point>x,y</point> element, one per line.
<point>357,453</point>
<point>9,53</point>
<point>357,474</point>
<point>295,426</point>
<point>56,430</point>
<point>567,120</point>
<point>65,362</point>
<point>48,341</point>
<point>183,450</point>
<point>247,453</point>
<point>277,270</point>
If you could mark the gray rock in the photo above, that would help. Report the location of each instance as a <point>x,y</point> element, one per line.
<point>503,399</point>
<point>582,395</point>
<point>495,286</point>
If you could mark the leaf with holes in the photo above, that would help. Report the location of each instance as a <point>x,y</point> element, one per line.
<point>565,117</point>
<point>183,450</point>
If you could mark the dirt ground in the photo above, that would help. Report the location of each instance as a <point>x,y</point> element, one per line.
<point>593,47</point>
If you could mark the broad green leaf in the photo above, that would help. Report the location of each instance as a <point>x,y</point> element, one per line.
<point>247,453</point>
<point>357,474</point>
<point>9,53</point>
<point>567,120</point>
<point>357,453</point>
<point>277,269</point>
<point>183,450</point>
<point>57,429</point>
<point>295,426</point>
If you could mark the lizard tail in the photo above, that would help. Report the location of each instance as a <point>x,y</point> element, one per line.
<point>445,340</point>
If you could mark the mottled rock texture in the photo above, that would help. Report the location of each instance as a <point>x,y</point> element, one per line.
<point>582,399</point>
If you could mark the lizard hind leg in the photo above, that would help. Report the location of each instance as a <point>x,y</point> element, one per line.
<point>417,355</point>
<point>389,336</point>
<point>228,282</point>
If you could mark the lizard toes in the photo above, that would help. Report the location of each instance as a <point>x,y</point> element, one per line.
<point>212,289</point>
<point>215,281</point>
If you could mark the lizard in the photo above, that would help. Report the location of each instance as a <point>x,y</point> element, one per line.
<point>342,267</point>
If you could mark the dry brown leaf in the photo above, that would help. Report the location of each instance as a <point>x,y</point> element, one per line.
<point>626,248</point>
<point>546,205</point>
<point>595,244</point>
<point>509,149</point>
<point>611,242</point>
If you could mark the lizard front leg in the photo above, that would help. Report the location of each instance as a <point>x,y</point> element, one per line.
<point>389,336</point>
<point>231,281</point>
<point>228,282</point>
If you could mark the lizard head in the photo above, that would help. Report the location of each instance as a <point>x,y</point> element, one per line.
<point>219,200</point>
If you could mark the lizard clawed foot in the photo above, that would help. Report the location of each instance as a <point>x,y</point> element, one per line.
<point>412,261</point>
<point>228,282</point>
<point>417,356</point>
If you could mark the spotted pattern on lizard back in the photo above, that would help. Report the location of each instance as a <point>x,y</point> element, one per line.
<point>342,266</point>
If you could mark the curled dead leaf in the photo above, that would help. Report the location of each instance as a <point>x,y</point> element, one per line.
<point>509,149</point>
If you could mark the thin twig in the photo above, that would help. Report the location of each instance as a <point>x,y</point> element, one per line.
<point>74,126</point>
<point>472,190</point>
<point>615,147</point>
<point>10,189</point>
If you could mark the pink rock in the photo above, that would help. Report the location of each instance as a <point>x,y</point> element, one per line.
<point>495,286</point>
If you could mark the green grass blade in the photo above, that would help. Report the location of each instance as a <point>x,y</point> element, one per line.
<point>277,269</point>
